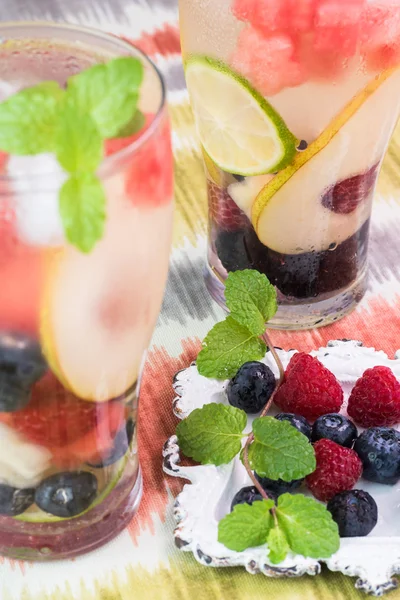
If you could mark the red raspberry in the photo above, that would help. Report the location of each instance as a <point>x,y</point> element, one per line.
<point>338,470</point>
<point>309,388</point>
<point>375,399</point>
<point>72,429</point>
<point>224,211</point>
<point>344,197</point>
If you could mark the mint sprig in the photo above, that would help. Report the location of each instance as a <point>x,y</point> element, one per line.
<point>252,302</point>
<point>275,449</point>
<point>300,524</point>
<point>213,435</point>
<point>97,104</point>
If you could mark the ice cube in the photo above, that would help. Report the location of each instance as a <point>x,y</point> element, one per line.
<point>35,186</point>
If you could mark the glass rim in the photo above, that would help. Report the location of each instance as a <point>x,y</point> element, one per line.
<point>108,163</point>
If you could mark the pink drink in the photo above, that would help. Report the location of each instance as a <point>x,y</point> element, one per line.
<point>74,326</point>
<point>329,68</point>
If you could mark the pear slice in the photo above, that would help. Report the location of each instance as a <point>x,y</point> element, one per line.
<point>288,214</point>
<point>99,309</point>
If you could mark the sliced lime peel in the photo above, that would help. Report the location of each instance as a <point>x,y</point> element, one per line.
<point>239,129</point>
<point>40,517</point>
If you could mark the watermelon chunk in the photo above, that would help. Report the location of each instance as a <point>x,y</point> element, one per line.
<point>268,62</point>
<point>337,27</point>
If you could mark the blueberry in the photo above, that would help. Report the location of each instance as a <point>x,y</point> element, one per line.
<point>246,495</point>
<point>21,365</point>
<point>14,501</point>
<point>335,427</point>
<point>66,494</point>
<point>276,488</point>
<point>379,450</point>
<point>297,421</point>
<point>120,446</point>
<point>355,512</point>
<point>251,388</point>
<point>232,250</point>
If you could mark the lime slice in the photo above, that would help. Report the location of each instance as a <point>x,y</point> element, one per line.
<point>35,515</point>
<point>240,131</point>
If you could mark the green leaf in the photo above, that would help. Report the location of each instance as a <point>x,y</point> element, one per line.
<point>135,124</point>
<point>27,119</point>
<point>226,348</point>
<point>109,92</point>
<point>247,526</point>
<point>212,434</point>
<point>78,143</point>
<point>280,451</point>
<point>82,209</point>
<point>278,546</point>
<point>251,299</point>
<point>308,526</point>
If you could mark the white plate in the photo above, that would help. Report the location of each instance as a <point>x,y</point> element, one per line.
<point>200,506</point>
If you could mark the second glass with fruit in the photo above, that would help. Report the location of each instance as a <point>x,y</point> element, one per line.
<point>85,224</point>
<point>295,103</point>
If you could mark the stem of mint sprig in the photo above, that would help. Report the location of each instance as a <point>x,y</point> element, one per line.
<point>273,449</point>
<point>99,103</point>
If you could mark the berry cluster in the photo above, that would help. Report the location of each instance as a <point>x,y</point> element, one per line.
<point>310,392</point>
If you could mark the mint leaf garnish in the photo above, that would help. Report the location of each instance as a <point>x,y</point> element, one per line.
<point>247,526</point>
<point>99,103</point>
<point>308,526</point>
<point>212,434</point>
<point>251,299</point>
<point>78,144</point>
<point>227,346</point>
<point>280,451</point>
<point>28,118</point>
<point>278,546</point>
<point>82,209</point>
<point>109,93</point>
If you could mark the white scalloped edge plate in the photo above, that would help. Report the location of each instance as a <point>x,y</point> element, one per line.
<point>374,560</point>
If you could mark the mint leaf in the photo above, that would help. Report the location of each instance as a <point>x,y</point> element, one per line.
<point>82,209</point>
<point>27,119</point>
<point>78,144</point>
<point>280,451</point>
<point>109,92</point>
<point>133,126</point>
<point>308,526</point>
<point>278,546</point>
<point>226,348</point>
<point>247,526</point>
<point>212,434</point>
<point>251,299</point>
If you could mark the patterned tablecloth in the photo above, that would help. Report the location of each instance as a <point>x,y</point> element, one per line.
<point>143,563</point>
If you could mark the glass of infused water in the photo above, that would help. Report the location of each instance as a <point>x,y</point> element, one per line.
<point>295,103</point>
<point>85,230</point>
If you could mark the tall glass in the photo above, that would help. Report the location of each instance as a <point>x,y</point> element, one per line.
<point>74,326</point>
<point>295,102</point>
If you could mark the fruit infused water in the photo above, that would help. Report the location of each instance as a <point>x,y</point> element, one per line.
<point>295,103</point>
<point>84,244</point>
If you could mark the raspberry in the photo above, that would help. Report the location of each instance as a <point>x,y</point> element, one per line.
<point>344,197</point>
<point>375,399</point>
<point>72,429</point>
<point>224,211</point>
<point>309,388</point>
<point>338,470</point>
